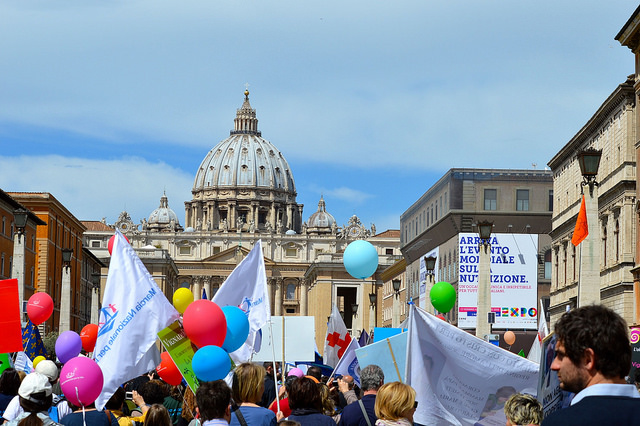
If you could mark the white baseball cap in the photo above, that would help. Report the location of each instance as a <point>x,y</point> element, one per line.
<point>35,387</point>
<point>48,368</point>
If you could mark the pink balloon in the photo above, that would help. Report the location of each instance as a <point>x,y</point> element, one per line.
<point>205,323</point>
<point>39,307</point>
<point>81,381</point>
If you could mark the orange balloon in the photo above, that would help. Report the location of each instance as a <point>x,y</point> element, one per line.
<point>509,337</point>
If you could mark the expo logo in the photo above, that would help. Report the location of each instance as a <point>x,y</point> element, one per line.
<point>517,312</point>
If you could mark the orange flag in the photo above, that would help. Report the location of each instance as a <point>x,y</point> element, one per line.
<point>582,228</point>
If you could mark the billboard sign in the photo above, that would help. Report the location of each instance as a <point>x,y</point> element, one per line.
<point>514,280</point>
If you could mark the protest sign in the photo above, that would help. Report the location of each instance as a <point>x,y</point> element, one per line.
<point>10,317</point>
<point>299,342</point>
<point>462,380</point>
<point>383,333</point>
<point>389,354</point>
<point>635,351</point>
<point>549,393</point>
<point>514,280</point>
<point>181,351</point>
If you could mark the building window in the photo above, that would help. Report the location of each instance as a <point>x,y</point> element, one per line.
<point>215,250</point>
<point>4,225</point>
<point>291,292</point>
<point>291,252</point>
<point>604,246</point>
<point>522,199</point>
<point>95,244</point>
<point>2,265</point>
<point>551,200</point>
<point>490,199</point>
<point>617,236</point>
<point>185,250</point>
<point>388,251</point>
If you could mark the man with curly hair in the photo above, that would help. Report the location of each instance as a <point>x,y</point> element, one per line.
<point>593,356</point>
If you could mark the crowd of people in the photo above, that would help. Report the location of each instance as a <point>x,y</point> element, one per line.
<point>593,356</point>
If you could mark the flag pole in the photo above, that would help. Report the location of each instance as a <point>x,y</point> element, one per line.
<point>273,360</point>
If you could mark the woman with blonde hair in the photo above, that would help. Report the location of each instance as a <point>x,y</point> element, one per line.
<point>395,404</point>
<point>247,387</point>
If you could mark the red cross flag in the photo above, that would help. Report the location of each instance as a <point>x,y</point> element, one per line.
<point>337,340</point>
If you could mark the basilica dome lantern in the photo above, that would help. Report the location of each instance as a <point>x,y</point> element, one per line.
<point>244,184</point>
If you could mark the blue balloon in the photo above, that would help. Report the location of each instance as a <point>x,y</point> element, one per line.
<point>237,328</point>
<point>360,259</point>
<point>211,363</point>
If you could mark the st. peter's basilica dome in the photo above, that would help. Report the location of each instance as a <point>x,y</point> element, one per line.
<point>321,221</point>
<point>163,218</point>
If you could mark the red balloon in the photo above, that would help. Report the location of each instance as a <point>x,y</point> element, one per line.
<point>39,307</point>
<point>442,317</point>
<point>168,371</point>
<point>89,335</point>
<point>205,323</point>
<point>112,239</point>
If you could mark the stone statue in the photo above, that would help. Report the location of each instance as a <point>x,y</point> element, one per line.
<point>373,229</point>
<point>239,223</point>
<point>334,228</point>
<point>172,224</point>
<point>268,227</point>
<point>279,227</point>
<point>224,225</point>
<point>252,226</point>
<point>209,228</point>
<point>144,224</point>
<point>198,224</point>
<point>304,227</point>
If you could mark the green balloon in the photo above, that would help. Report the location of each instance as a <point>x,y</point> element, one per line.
<point>443,296</point>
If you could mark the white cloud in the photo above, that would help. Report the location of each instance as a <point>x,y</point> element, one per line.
<point>92,189</point>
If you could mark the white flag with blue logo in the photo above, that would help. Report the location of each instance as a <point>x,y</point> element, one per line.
<point>348,364</point>
<point>246,288</point>
<point>133,310</point>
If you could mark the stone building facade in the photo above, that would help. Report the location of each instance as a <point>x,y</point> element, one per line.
<point>244,191</point>
<point>516,201</point>
<point>613,130</point>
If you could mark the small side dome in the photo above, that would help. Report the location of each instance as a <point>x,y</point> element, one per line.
<point>163,219</point>
<point>321,221</point>
<point>290,232</point>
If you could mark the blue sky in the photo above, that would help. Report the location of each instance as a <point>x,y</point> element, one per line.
<point>106,104</point>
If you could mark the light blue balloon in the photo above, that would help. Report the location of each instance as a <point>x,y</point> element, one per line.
<point>237,328</point>
<point>360,259</point>
<point>211,363</point>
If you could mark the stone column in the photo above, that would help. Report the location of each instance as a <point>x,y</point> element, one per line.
<point>372,317</point>
<point>589,281</point>
<point>95,305</point>
<point>304,304</point>
<point>207,287</point>
<point>17,266</point>
<point>395,319</point>
<point>65,300</point>
<point>483,328</point>
<point>278,297</point>
<point>195,288</point>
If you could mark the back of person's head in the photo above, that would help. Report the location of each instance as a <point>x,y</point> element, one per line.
<point>305,394</point>
<point>315,371</point>
<point>157,415</point>
<point>248,383</point>
<point>289,381</point>
<point>522,409</point>
<point>165,387</point>
<point>35,396</point>
<point>600,329</point>
<point>328,405</point>
<point>371,377</point>
<point>134,384</point>
<point>9,382</point>
<point>151,392</point>
<point>116,400</point>
<point>285,422</point>
<point>393,400</point>
<point>213,399</point>
<point>49,369</point>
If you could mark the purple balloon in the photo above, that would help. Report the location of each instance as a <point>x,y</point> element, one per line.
<point>68,345</point>
<point>81,381</point>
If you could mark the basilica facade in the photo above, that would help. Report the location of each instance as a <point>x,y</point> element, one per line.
<point>244,191</point>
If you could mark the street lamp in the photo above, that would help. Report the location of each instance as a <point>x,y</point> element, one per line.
<point>395,321</point>
<point>65,291</point>
<point>483,324</point>
<point>373,298</point>
<point>589,283</point>
<point>20,217</point>
<point>354,309</point>
<point>430,266</point>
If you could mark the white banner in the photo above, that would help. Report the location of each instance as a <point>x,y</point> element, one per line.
<point>460,379</point>
<point>337,338</point>
<point>246,288</point>
<point>134,310</point>
<point>514,280</point>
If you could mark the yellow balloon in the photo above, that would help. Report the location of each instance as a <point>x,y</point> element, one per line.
<point>37,359</point>
<point>182,298</point>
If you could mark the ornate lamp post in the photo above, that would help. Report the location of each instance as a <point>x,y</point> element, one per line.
<point>589,282</point>
<point>65,293</point>
<point>395,322</point>
<point>430,265</point>
<point>354,313</point>
<point>483,327</point>
<point>20,217</point>
<point>373,298</point>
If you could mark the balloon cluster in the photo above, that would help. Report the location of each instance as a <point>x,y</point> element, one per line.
<point>214,330</point>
